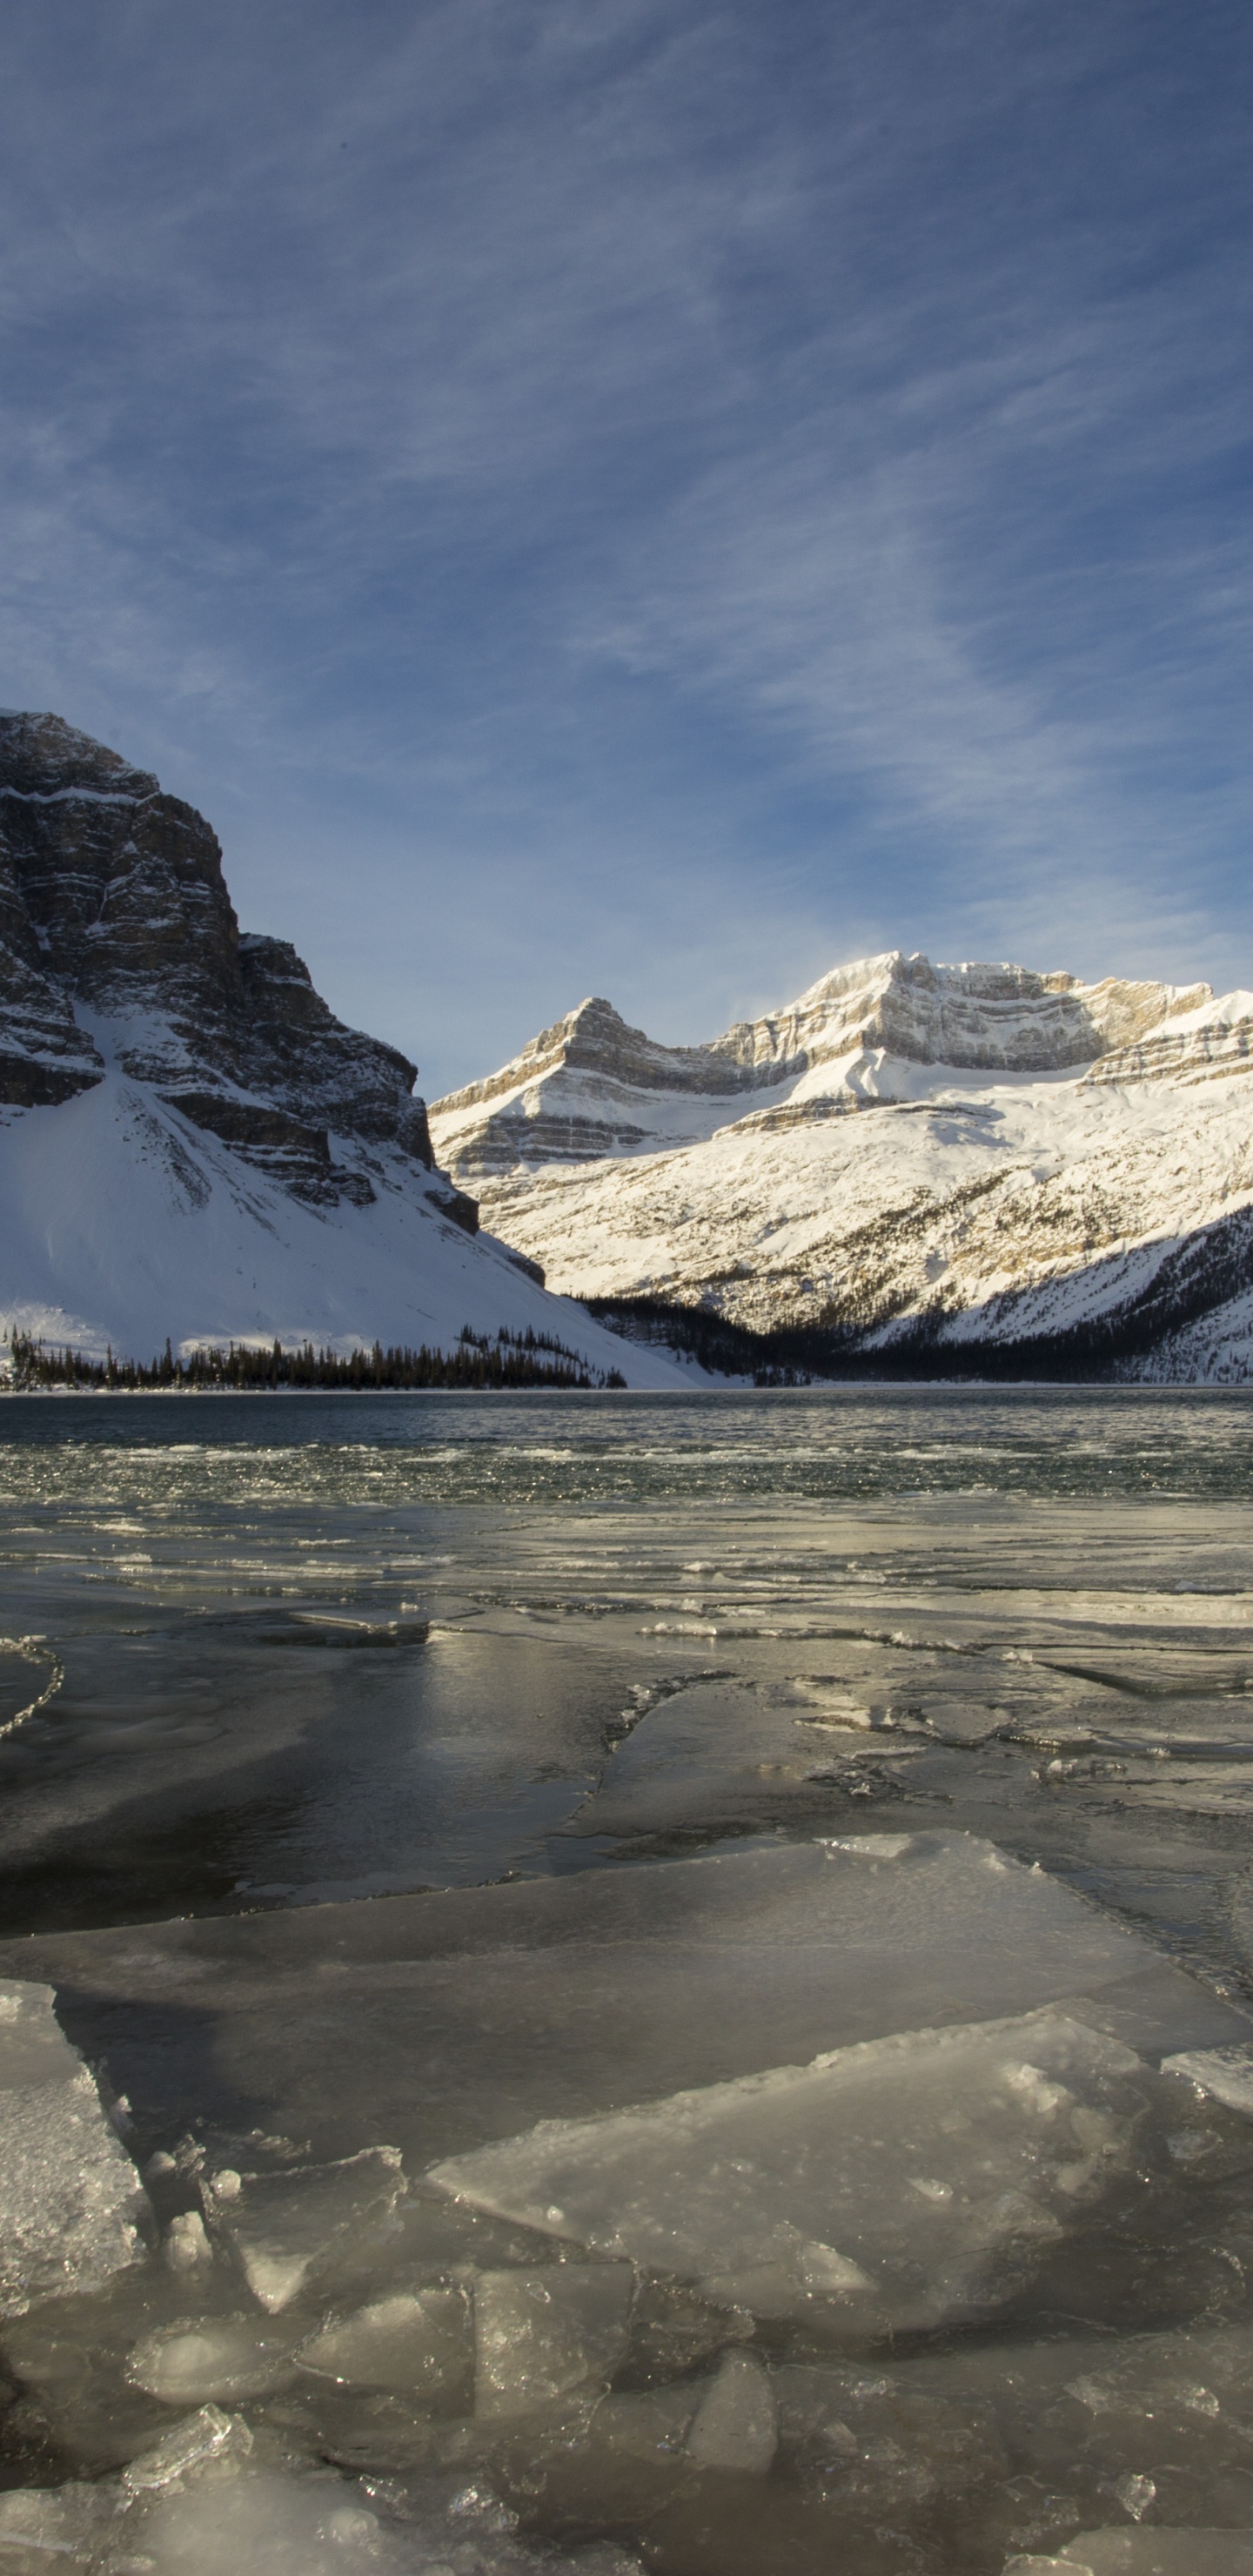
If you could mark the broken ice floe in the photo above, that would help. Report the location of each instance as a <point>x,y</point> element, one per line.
<point>542,2335</point>
<point>906,2182</point>
<point>207,2435</point>
<point>1224,2073</point>
<point>462,2016</point>
<point>288,2229</point>
<point>416,2340</point>
<point>69,2194</point>
<point>1145,2553</point>
<point>218,2359</point>
<point>220,2511</point>
<point>736,2424</point>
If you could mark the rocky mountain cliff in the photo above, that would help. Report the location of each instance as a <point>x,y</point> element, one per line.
<point>191,1143</point>
<point>591,1086</point>
<point>913,1163</point>
<point>112,900</point>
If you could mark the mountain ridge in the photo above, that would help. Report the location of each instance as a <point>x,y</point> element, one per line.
<point>1020,1188</point>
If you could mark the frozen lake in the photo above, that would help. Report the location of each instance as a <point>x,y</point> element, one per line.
<point>667,1918</point>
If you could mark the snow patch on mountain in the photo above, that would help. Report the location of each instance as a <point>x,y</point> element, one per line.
<point>192,1146</point>
<point>913,1157</point>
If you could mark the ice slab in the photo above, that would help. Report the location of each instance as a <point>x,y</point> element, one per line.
<point>223,2514</point>
<point>46,2527</point>
<point>209,2435</point>
<point>1146,2553</point>
<point>540,2335</point>
<point>450,2019</point>
<point>222,2359</point>
<point>69,2195</point>
<point>736,2424</point>
<point>418,2340</point>
<point>287,2229</point>
<point>903,2183</point>
<point>1224,2073</point>
<point>713,1754</point>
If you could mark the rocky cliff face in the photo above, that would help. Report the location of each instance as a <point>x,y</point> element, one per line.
<point>119,943</point>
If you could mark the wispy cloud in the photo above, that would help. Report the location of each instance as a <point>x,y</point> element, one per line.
<point>652,493</point>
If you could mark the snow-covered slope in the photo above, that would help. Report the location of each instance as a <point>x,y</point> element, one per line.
<point>917,1159</point>
<point>191,1145</point>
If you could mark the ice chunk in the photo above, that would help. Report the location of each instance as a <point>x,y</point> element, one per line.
<point>225,2358</point>
<point>735,2425</point>
<point>540,2335</point>
<point>1225,2073</point>
<point>42,2528</point>
<point>417,2339</point>
<point>620,2467</point>
<point>208,2435</point>
<point>287,2228</point>
<point>903,2183</point>
<point>186,2246</point>
<point>69,2194</point>
<point>1149,2552</point>
<point>894,2445</point>
<point>320,2524</point>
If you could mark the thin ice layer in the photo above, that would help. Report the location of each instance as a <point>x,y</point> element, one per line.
<point>221,2514</point>
<point>285,2229</point>
<point>1147,2552</point>
<point>69,2195</point>
<point>539,2335</point>
<point>455,2018</point>
<point>905,2183</point>
<point>415,2339</point>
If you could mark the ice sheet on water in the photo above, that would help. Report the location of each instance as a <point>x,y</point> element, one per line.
<point>458,2017</point>
<point>69,2195</point>
<point>712,1754</point>
<point>541,2335</point>
<point>1224,2073</point>
<point>1145,2553</point>
<point>902,2183</point>
<point>736,2424</point>
<point>287,2229</point>
<point>224,2513</point>
<point>46,2527</point>
<point>219,2359</point>
<point>417,2339</point>
<point>206,2436</point>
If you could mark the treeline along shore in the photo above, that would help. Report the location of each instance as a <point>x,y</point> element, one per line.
<point>478,1361</point>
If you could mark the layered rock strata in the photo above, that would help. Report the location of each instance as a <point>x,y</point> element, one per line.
<point>119,942</point>
<point>1051,1164</point>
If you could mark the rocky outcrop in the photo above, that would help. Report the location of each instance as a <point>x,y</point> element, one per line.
<point>1194,1045</point>
<point>975,1018</point>
<point>118,938</point>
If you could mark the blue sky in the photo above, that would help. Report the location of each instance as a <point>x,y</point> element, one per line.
<point>646,498</point>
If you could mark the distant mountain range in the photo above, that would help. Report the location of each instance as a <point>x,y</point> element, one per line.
<point>192,1146</point>
<point>913,1168</point>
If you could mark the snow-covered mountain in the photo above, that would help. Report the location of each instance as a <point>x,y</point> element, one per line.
<point>923,1161</point>
<point>191,1144</point>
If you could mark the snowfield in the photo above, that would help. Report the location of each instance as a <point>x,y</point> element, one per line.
<point>1049,1185</point>
<point>123,1222</point>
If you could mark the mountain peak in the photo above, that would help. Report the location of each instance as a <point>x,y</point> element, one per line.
<point>117,928</point>
<point>591,1085</point>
